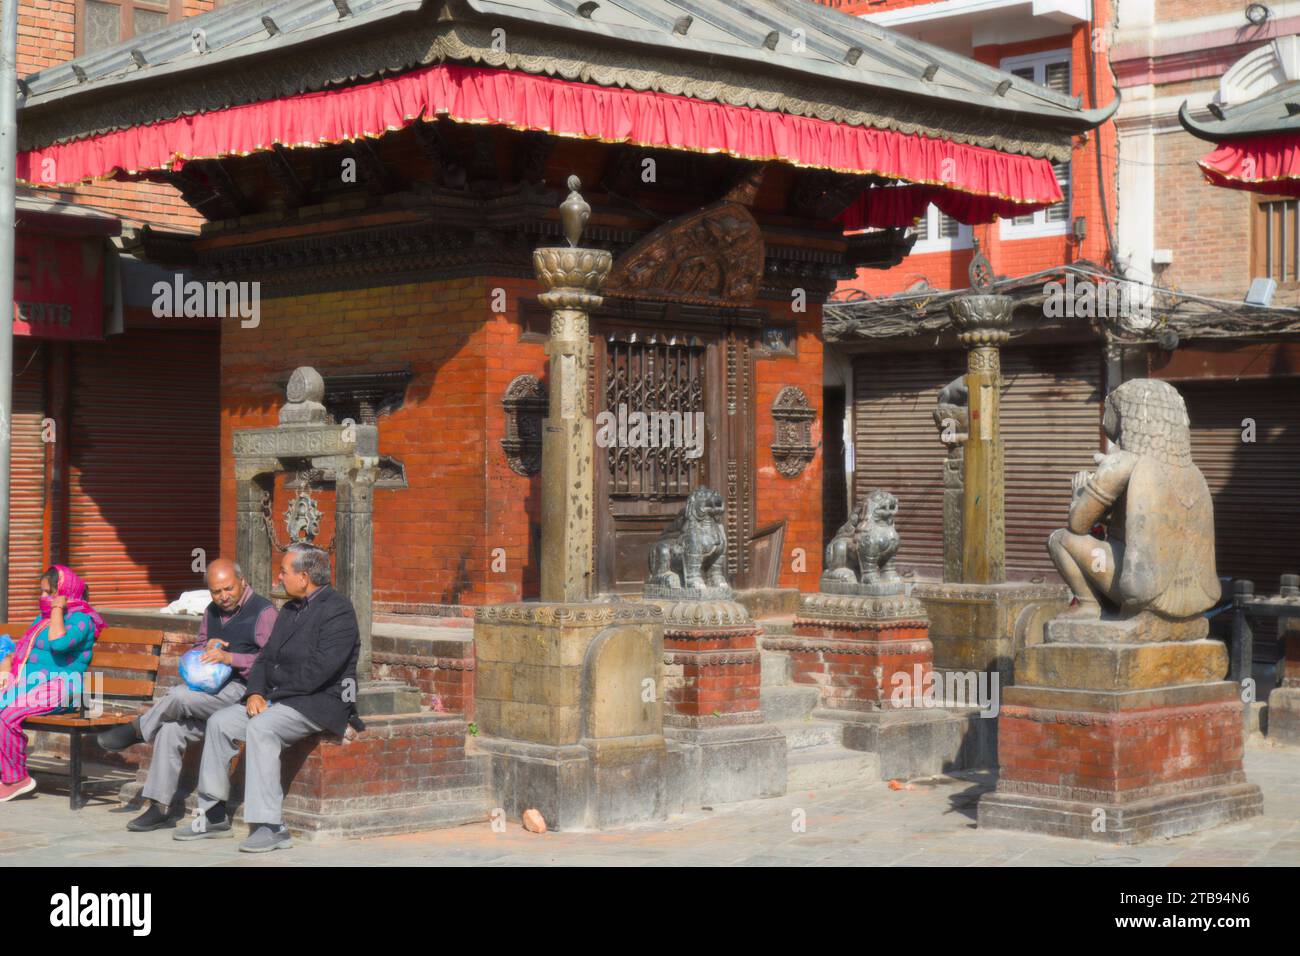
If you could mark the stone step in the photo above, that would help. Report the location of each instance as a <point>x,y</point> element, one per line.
<point>829,765</point>
<point>789,702</point>
<point>804,734</point>
<point>777,668</point>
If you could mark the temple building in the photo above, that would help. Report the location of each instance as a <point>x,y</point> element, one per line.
<point>373,177</point>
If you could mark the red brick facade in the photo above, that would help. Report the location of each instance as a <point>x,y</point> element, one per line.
<point>435,540</point>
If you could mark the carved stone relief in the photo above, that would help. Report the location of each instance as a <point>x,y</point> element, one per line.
<point>792,447</point>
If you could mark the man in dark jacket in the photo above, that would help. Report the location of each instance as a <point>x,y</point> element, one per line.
<point>303,682</point>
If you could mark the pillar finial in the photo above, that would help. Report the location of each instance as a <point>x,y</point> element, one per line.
<point>574,212</point>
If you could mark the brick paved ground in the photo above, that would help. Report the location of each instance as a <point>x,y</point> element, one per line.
<point>931,824</point>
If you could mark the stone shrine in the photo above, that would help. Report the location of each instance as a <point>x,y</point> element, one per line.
<point>1121,727</point>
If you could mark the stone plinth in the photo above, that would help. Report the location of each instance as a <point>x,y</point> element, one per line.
<point>1120,766</point>
<point>568,707</point>
<point>712,679</point>
<point>871,659</point>
<point>851,646</point>
<point>980,627</point>
<point>1120,741</point>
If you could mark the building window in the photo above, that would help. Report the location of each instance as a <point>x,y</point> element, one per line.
<point>105,23</point>
<point>938,232</point>
<point>1275,240</point>
<point>1051,70</point>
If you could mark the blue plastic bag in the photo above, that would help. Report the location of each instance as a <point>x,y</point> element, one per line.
<point>7,646</point>
<point>206,678</point>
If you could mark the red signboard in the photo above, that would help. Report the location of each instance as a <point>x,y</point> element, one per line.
<point>59,286</point>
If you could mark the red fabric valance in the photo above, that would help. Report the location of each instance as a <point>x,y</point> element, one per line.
<point>976,183</point>
<point>1265,164</point>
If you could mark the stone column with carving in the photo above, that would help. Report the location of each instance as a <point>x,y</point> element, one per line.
<point>572,277</point>
<point>354,494</point>
<point>983,322</point>
<point>252,538</point>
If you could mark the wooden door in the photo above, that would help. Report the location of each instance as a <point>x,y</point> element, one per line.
<point>642,482</point>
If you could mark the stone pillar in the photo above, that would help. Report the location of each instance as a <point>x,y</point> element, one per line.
<point>983,322</point>
<point>252,542</point>
<point>354,493</point>
<point>566,690</point>
<point>572,277</point>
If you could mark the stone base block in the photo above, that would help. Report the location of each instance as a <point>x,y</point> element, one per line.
<point>594,784</point>
<point>980,627</point>
<point>712,666</point>
<point>768,602</point>
<point>383,697</point>
<point>851,585</point>
<point>1130,823</point>
<point>1120,766</point>
<point>1119,667</point>
<point>920,742</point>
<point>854,649</point>
<point>728,764</point>
<point>1139,629</point>
<point>1284,716</point>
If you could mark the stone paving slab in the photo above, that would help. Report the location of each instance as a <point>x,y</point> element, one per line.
<point>856,825</point>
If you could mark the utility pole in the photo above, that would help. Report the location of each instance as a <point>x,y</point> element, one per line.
<point>8,184</point>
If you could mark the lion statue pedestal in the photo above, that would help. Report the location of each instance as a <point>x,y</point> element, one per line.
<point>864,642</point>
<point>712,665</point>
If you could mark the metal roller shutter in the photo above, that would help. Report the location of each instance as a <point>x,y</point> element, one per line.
<point>1051,407</point>
<point>27,486</point>
<point>896,445</point>
<point>1256,485</point>
<point>145,457</point>
<point>1051,428</point>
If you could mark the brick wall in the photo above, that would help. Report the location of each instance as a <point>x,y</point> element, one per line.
<point>797,501</point>
<point>47,37</point>
<point>434,537</point>
<point>1206,228</point>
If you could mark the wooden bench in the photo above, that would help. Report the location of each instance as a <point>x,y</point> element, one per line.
<point>132,655</point>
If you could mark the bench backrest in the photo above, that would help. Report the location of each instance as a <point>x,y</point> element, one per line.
<point>127,658</point>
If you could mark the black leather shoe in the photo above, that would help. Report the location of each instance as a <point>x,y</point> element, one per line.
<point>120,737</point>
<point>151,819</point>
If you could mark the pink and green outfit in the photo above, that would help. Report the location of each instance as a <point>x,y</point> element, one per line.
<point>50,670</point>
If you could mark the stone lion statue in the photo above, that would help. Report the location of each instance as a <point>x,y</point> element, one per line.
<point>691,552</point>
<point>862,551</point>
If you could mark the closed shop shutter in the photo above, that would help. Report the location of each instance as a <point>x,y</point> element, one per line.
<point>1256,485</point>
<point>144,474</point>
<point>27,487</point>
<point>1051,407</point>
<point>1051,428</point>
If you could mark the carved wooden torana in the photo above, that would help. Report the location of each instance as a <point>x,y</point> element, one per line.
<point>713,255</point>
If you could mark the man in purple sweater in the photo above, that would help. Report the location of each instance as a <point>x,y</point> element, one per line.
<point>235,628</point>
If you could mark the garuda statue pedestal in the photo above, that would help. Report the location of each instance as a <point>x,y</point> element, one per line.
<point>712,665</point>
<point>1121,727</point>
<point>863,641</point>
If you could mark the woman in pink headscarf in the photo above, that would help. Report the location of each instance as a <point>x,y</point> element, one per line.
<point>42,673</point>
